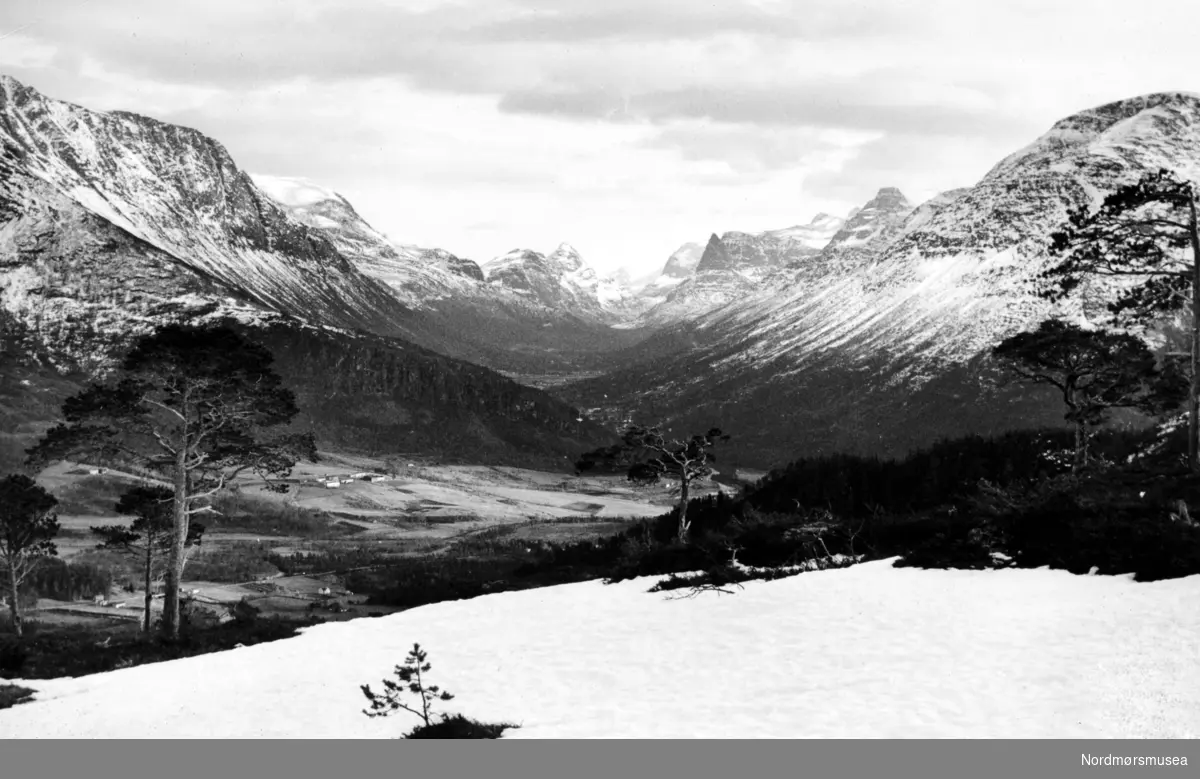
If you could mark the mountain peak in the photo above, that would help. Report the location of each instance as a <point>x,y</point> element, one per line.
<point>568,257</point>
<point>1102,117</point>
<point>716,255</point>
<point>888,198</point>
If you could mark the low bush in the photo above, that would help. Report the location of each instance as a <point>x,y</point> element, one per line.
<point>61,580</point>
<point>51,654</point>
<point>233,563</point>
<point>1115,539</point>
<point>241,511</point>
<point>458,726</point>
<point>12,694</point>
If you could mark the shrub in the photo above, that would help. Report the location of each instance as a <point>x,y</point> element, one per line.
<point>951,550</point>
<point>13,655</point>
<point>243,512</point>
<point>83,651</point>
<point>11,695</point>
<point>1115,539</point>
<point>58,579</point>
<point>459,726</point>
<point>239,562</point>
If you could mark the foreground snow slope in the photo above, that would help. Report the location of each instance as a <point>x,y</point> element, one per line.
<point>870,651</point>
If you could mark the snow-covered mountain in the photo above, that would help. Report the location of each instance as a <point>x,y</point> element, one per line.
<point>563,281</point>
<point>698,279</point>
<point>874,343</point>
<point>530,316</point>
<point>679,268</point>
<point>413,274</point>
<point>112,224</point>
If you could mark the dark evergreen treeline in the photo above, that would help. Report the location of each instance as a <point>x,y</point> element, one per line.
<point>856,486</point>
<point>380,395</point>
<point>60,580</point>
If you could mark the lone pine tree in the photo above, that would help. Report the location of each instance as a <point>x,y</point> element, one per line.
<point>1145,232</point>
<point>1094,370</point>
<point>195,405</point>
<point>647,456</point>
<point>411,676</point>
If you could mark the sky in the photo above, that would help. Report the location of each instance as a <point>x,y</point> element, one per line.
<point>623,127</point>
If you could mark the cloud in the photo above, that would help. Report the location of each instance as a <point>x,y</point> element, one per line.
<point>857,104</point>
<point>468,47</point>
<point>901,160</point>
<point>626,126</point>
<point>754,152</point>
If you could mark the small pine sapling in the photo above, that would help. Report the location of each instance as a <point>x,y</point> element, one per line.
<point>411,679</point>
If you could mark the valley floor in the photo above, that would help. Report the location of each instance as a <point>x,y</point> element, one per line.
<point>869,651</point>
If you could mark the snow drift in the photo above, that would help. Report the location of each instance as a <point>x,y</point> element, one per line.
<point>869,651</point>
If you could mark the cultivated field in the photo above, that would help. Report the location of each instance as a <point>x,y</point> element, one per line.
<point>419,509</point>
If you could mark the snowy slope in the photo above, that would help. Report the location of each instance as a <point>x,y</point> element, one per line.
<point>865,652</point>
<point>415,275</point>
<point>680,266</point>
<point>564,282</point>
<point>902,299</point>
<point>178,191</point>
<point>701,278</point>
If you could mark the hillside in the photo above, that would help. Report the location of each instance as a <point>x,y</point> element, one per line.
<point>1052,655</point>
<point>112,224</point>
<point>876,344</point>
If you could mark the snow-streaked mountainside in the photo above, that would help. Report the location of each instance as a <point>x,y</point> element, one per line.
<point>903,299</point>
<point>680,266</point>
<point>869,651</point>
<point>531,315</point>
<point>113,224</point>
<point>563,281</point>
<point>413,274</point>
<point>700,278</point>
<point>180,194</point>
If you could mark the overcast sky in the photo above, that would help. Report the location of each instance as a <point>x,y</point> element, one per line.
<point>624,127</point>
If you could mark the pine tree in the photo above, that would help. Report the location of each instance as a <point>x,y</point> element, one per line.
<point>149,536</point>
<point>1094,370</point>
<point>412,680</point>
<point>194,405</point>
<point>1147,232</point>
<point>27,526</point>
<point>648,456</point>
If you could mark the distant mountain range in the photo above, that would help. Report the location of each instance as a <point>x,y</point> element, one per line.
<point>865,333</point>
<point>112,224</point>
<point>878,343</point>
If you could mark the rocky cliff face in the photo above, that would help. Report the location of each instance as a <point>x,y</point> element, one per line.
<point>732,267</point>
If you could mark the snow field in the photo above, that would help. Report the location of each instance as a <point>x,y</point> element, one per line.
<point>869,651</point>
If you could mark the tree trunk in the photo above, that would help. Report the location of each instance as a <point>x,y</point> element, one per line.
<point>1194,400</point>
<point>170,617</point>
<point>14,603</point>
<point>149,598</point>
<point>684,525</point>
<point>1080,447</point>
